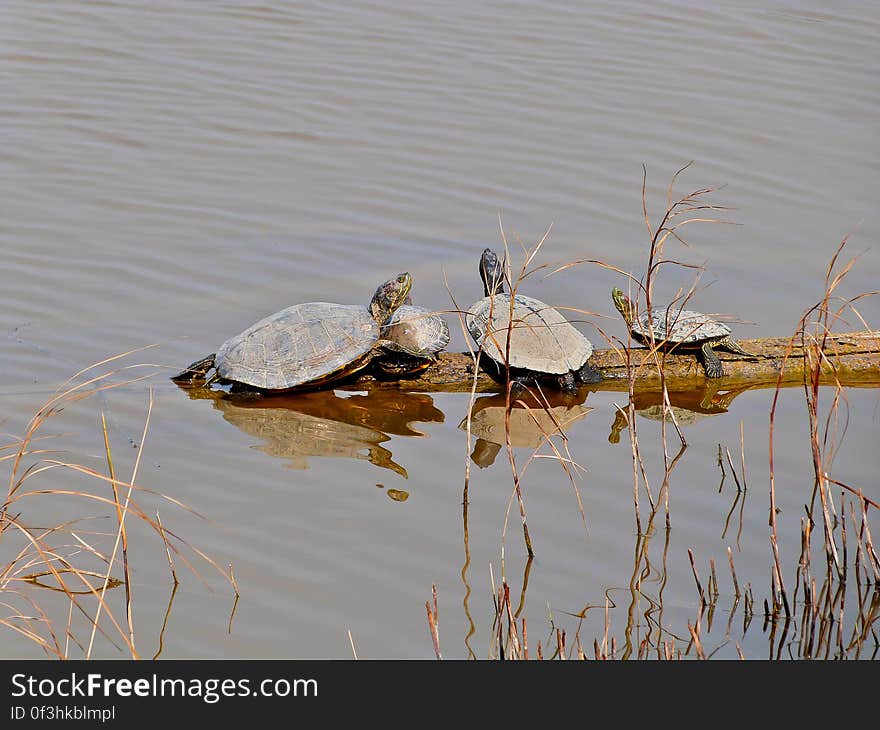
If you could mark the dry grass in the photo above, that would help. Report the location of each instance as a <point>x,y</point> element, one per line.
<point>821,629</point>
<point>815,620</point>
<point>534,396</point>
<point>57,583</point>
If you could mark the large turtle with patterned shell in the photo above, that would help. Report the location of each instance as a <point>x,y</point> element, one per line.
<point>681,330</point>
<point>303,346</point>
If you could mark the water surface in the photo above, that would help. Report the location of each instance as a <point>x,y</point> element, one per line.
<point>170,174</point>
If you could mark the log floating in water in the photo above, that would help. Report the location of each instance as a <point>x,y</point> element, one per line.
<point>852,357</point>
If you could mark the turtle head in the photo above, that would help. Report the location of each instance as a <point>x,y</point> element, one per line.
<point>492,273</point>
<point>389,296</point>
<point>624,305</point>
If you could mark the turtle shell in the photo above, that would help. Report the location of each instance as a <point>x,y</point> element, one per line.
<point>415,331</point>
<point>306,343</point>
<point>541,339</point>
<point>680,326</point>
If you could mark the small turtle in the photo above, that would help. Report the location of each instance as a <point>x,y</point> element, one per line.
<point>682,330</point>
<point>543,343</point>
<point>305,345</point>
<point>411,339</point>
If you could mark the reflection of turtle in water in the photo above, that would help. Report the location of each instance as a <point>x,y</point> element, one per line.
<point>305,345</point>
<point>681,330</point>
<point>688,407</point>
<point>321,423</point>
<point>529,426</point>
<point>544,345</point>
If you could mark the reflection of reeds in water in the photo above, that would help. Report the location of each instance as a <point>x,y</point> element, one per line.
<point>821,626</point>
<point>836,597</point>
<point>537,415</point>
<point>535,419</point>
<point>70,560</point>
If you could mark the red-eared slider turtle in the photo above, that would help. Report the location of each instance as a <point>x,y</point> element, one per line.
<point>305,345</point>
<point>412,337</point>
<point>681,330</point>
<point>543,344</point>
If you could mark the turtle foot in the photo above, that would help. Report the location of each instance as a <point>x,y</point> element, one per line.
<point>711,362</point>
<point>568,383</point>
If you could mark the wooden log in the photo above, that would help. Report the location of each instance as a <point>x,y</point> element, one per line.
<point>852,358</point>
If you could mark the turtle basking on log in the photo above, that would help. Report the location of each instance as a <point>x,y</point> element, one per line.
<point>681,330</point>
<point>315,343</point>
<point>543,345</point>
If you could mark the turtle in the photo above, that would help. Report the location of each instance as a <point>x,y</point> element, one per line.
<point>411,340</point>
<point>305,345</point>
<point>682,330</point>
<point>544,345</point>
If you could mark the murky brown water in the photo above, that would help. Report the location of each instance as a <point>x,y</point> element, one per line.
<point>170,174</point>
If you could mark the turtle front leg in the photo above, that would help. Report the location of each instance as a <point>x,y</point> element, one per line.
<point>245,391</point>
<point>588,374</point>
<point>518,386</point>
<point>568,384</point>
<point>711,362</point>
<point>731,345</point>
